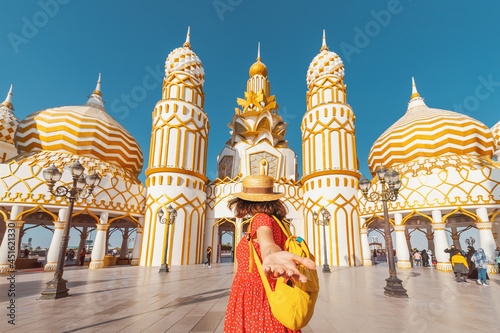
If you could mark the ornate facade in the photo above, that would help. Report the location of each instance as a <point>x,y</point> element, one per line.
<point>449,181</point>
<point>445,159</point>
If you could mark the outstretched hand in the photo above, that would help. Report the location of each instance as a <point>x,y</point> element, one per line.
<point>284,263</point>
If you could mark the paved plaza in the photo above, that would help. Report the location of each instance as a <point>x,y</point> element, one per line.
<point>193,299</point>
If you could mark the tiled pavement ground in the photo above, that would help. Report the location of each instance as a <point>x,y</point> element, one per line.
<point>194,298</point>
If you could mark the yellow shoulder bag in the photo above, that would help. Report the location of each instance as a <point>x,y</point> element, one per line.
<point>292,302</point>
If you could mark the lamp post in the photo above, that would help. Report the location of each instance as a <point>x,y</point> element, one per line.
<point>390,185</point>
<point>81,189</point>
<point>470,241</point>
<point>172,214</point>
<point>324,222</point>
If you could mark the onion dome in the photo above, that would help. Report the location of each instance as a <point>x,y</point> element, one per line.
<point>258,68</point>
<point>325,63</point>
<point>8,121</point>
<point>86,130</point>
<point>425,132</point>
<point>184,60</point>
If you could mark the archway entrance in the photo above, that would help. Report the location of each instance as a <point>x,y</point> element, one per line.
<point>227,244</point>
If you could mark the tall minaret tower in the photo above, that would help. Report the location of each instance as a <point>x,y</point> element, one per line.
<point>330,164</point>
<point>177,164</point>
<point>8,125</point>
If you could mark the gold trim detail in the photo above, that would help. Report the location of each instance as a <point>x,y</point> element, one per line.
<point>176,170</point>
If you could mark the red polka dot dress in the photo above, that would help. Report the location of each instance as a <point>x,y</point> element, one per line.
<point>248,309</point>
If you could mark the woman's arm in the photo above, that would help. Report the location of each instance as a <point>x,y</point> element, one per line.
<point>276,262</point>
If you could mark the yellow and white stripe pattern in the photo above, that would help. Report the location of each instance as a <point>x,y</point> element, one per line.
<point>426,132</point>
<point>85,130</point>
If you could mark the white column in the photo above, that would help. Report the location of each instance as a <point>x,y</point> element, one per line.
<point>440,242</point>
<point>401,245</point>
<point>99,250</point>
<point>55,244</point>
<point>137,247</point>
<point>365,246</point>
<point>486,239</point>
<point>8,248</point>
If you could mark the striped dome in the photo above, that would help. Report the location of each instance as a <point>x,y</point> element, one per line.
<point>183,59</point>
<point>85,130</point>
<point>8,121</point>
<point>426,132</point>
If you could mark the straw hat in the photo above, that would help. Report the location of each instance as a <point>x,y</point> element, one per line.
<point>258,188</point>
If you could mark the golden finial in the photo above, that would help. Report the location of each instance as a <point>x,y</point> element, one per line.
<point>258,68</point>
<point>187,43</point>
<point>97,90</point>
<point>8,100</point>
<point>323,46</point>
<point>414,92</point>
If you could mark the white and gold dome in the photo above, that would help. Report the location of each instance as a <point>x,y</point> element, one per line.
<point>325,63</point>
<point>63,135</point>
<point>184,60</point>
<point>426,132</point>
<point>86,130</point>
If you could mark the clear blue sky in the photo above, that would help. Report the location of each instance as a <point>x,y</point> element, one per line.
<point>449,46</point>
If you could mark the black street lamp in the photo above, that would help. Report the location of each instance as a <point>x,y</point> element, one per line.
<point>324,222</point>
<point>390,185</point>
<point>172,214</point>
<point>82,188</point>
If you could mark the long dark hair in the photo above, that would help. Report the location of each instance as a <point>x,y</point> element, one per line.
<point>243,208</point>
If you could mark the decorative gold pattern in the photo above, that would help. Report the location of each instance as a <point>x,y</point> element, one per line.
<point>183,59</point>
<point>271,163</point>
<point>457,180</point>
<point>22,182</point>
<point>258,120</point>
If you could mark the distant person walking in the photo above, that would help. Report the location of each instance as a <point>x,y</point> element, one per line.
<point>460,267</point>
<point>374,257</point>
<point>481,262</point>
<point>418,257</point>
<point>425,259</point>
<point>82,256</point>
<point>209,257</point>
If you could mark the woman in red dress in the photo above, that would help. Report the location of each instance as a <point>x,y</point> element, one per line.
<point>248,309</point>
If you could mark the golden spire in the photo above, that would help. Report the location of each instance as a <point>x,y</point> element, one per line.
<point>187,43</point>
<point>258,68</point>
<point>323,46</point>
<point>414,92</point>
<point>97,90</point>
<point>8,100</point>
